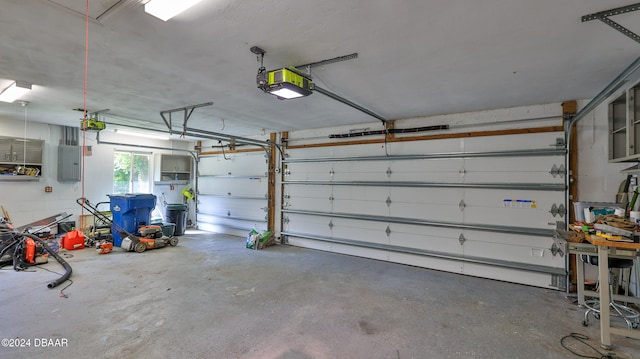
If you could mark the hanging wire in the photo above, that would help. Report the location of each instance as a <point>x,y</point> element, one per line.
<point>84,95</point>
<point>24,143</point>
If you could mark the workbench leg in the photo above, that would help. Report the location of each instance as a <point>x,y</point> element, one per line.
<point>580,280</point>
<point>605,297</point>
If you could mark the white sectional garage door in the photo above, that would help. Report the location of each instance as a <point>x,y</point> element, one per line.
<point>232,192</point>
<point>484,206</point>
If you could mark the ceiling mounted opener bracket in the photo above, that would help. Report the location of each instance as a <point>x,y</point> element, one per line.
<point>188,110</point>
<point>604,17</point>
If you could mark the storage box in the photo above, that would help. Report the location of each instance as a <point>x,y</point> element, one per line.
<point>579,207</point>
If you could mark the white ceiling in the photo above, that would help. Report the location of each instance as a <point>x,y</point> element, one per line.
<point>415,58</point>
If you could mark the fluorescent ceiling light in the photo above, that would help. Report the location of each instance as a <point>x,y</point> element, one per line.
<point>166,9</point>
<point>15,91</point>
<point>141,134</point>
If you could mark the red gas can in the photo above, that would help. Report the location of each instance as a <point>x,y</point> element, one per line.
<point>73,240</point>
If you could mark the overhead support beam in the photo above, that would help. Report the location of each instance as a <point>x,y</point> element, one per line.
<point>604,17</point>
<point>328,61</point>
<point>230,138</point>
<point>606,92</point>
<point>188,110</point>
<point>349,103</point>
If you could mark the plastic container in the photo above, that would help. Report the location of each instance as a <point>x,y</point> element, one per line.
<point>177,214</point>
<point>168,229</point>
<point>130,211</point>
<point>73,240</point>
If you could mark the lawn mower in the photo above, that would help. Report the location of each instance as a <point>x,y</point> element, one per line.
<point>150,236</point>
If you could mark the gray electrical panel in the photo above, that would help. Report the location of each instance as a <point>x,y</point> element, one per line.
<point>69,163</point>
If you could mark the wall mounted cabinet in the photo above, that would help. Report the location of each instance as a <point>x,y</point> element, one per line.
<point>172,168</point>
<point>20,158</point>
<point>624,126</point>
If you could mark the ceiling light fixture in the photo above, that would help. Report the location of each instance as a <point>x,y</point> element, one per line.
<point>141,134</point>
<point>15,91</point>
<point>166,9</point>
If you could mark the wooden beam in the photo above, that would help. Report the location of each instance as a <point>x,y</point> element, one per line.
<point>436,137</point>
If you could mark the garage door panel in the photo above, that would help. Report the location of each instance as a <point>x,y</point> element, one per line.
<point>308,204</point>
<point>436,196</point>
<point>363,231</point>
<point>308,171</point>
<point>509,239</point>
<point>360,171</point>
<point>309,243</point>
<point>304,224</point>
<point>427,212</point>
<point>510,170</point>
<point>432,170</point>
<point>537,255</point>
<point>426,262</point>
<point>513,208</point>
<point>437,204</point>
<point>224,205</point>
<point>235,164</point>
<point>308,191</point>
<point>363,207</point>
<point>245,187</point>
<point>360,251</point>
<point>361,200</point>
<point>515,142</point>
<point>542,280</point>
<point>215,223</point>
<point>442,240</point>
<point>448,145</point>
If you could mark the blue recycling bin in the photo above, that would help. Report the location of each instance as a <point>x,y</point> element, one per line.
<point>130,211</point>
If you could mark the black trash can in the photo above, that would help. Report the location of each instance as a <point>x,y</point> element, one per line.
<point>177,214</point>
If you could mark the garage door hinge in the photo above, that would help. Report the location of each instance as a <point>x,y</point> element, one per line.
<point>389,172</point>
<point>559,143</point>
<point>388,231</point>
<point>331,172</point>
<point>558,210</point>
<point>331,198</point>
<point>388,201</point>
<point>266,209</point>
<point>461,239</point>
<point>557,171</point>
<point>559,281</point>
<point>462,172</point>
<point>555,250</point>
<point>228,213</point>
<point>330,224</point>
<point>285,219</point>
<point>462,205</point>
<point>286,205</point>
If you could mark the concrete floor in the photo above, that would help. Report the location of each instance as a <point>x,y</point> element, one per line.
<point>212,298</point>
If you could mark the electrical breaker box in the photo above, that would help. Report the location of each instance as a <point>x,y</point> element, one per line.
<point>69,163</point>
